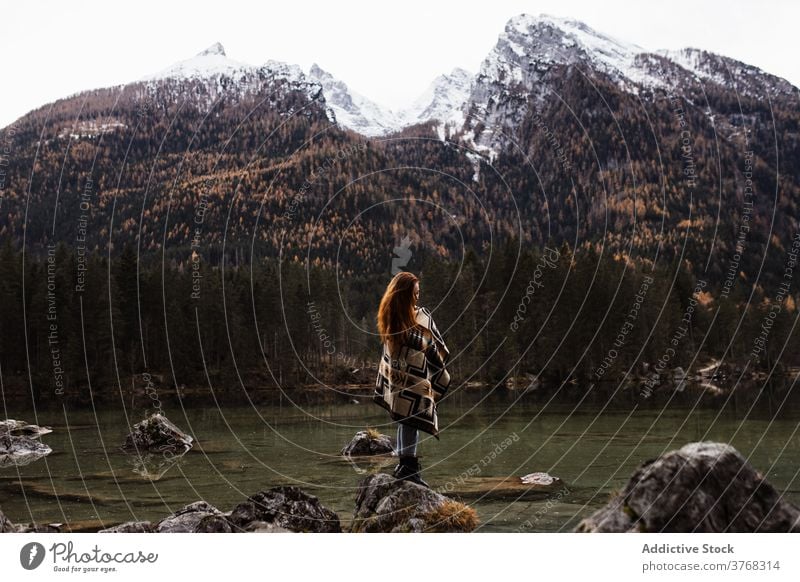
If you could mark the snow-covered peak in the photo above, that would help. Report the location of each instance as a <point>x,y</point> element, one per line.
<point>538,41</point>
<point>728,72</point>
<point>208,63</point>
<point>442,100</point>
<point>351,109</point>
<point>214,49</point>
<point>288,71</point>
<point>225,77</point>
<point>578,33</point>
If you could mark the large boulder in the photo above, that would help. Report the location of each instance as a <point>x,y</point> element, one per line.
<point>156,434</point>
<point>286,507</point>
<point>703,487</point>
<point>369,442</point>
<point>188,518</point>
<point>20,450</point>
<point>386,504</point>
<point>214,524</point>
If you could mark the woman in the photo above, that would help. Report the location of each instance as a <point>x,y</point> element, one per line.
<point>411,376</point>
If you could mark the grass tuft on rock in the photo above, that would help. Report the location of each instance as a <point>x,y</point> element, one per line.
<point>451,516</point>
<point>373,434</point>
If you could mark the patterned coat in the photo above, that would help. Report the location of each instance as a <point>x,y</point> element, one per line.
<point>410,387</point>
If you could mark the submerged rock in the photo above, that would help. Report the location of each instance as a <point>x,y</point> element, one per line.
<point>703,487</point>
<point>153,467</point>
<point>530,486</point>
<point>22,428</point>
<point>286,507</point>
<point>156,434</point>
<point>38,528</point>
<point>369,442</point>
<point>386,504</point>
<point>20,450</point>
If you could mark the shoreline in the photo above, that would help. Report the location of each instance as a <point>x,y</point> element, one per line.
<point>694,392</point>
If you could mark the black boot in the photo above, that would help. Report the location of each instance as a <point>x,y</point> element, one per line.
<point>409,469</point>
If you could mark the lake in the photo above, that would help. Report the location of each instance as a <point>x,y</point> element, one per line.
<point>241,450</point>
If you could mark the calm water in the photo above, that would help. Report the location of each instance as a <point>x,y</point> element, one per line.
<point>244,450</point>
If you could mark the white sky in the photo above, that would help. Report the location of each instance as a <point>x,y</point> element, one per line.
<point>387,51</point>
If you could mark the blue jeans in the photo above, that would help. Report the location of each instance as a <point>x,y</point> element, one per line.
<point>407,439</point>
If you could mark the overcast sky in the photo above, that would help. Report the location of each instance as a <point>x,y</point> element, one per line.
<point>387,51</point>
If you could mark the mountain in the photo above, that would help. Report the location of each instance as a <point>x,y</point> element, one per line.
<point>442,102</point>
<point>208,63</point>
<point>225,77</point>
<point>353,110</point>
<point>519,73</point>
<point>563,135</point>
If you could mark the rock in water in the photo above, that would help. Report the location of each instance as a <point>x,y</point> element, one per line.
<point>703,487</point>
<point>156,434</point>
<point>38,528</point>
<point>187,519</point>
<point>286,507</point>
<point>213,524</point>
<point>264,527</point>
<point>386,504</point>
<point>369,442</point>
<point>5,524</point>
<point>130,527</point>
<point>20,450</point>
<point>531,486</point>
<point>22,428</point>
<point>541,479</point>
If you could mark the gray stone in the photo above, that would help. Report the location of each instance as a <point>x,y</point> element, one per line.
<point>264,527</point>
<point>38,528</point>
<point>5,524</point>
<point>130,527</point>
<point>214,524</point>
<point>287,507</point>
<point>386,504</point>
<point>20,450</point>
<point>369,443</point>
<point>703,487</point>
<point>187,519</point>
<point>156,434</point>
<point>22,428</point>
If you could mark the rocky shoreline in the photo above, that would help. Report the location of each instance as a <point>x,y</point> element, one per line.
<point>702,487</point>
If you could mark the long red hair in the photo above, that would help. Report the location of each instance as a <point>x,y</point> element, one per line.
<point>396,315</point>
